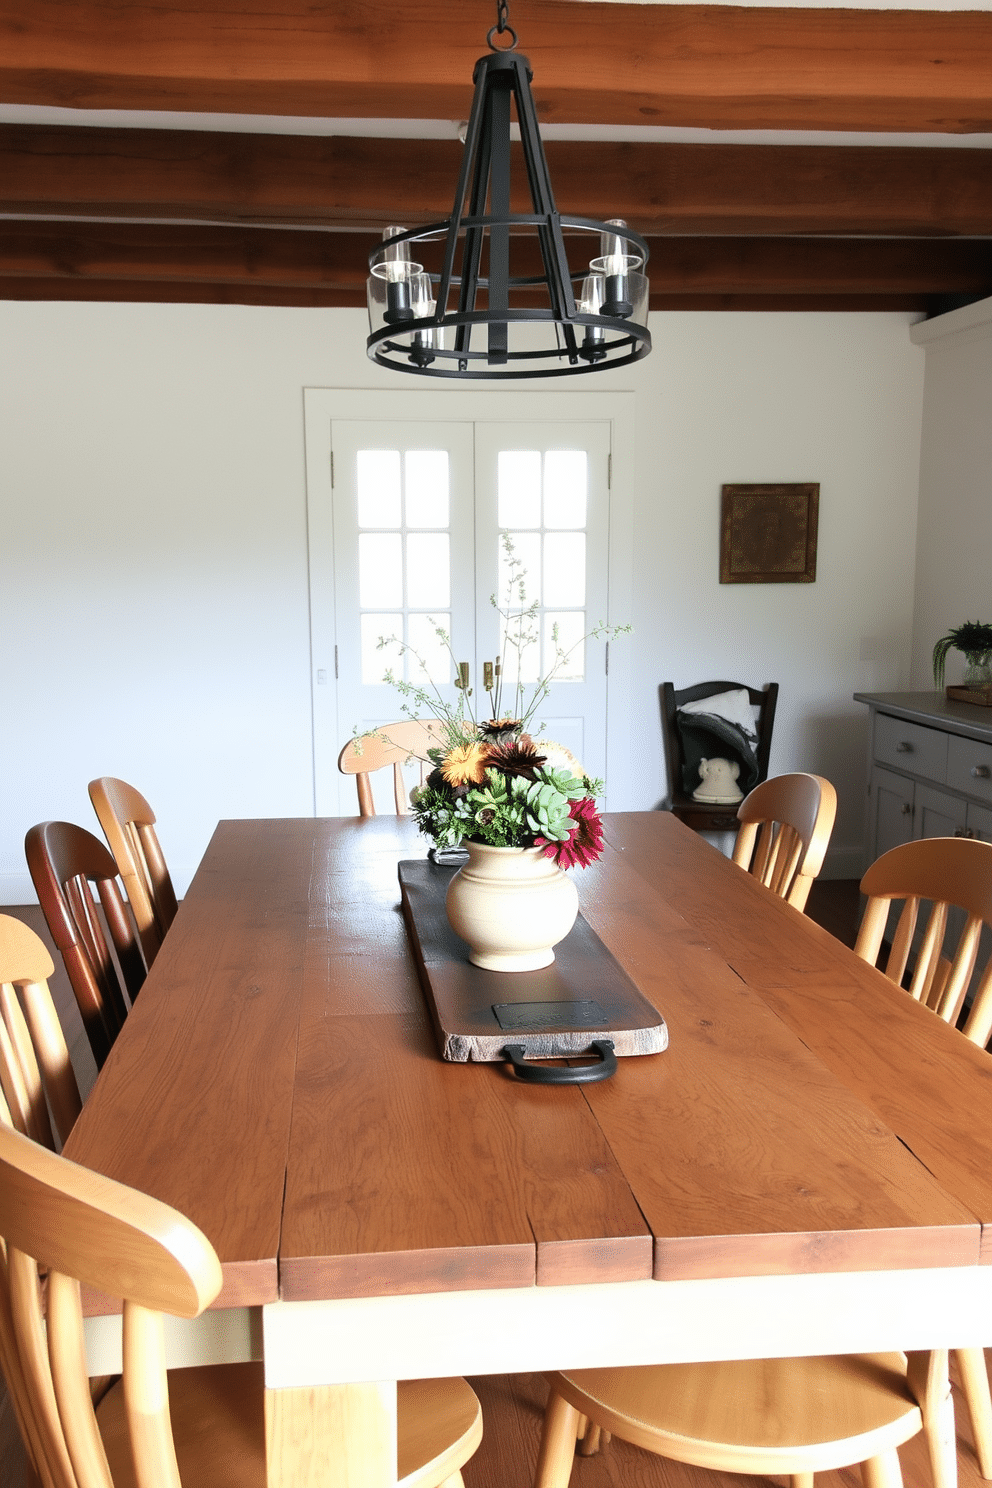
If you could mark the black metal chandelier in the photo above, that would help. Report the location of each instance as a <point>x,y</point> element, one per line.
<point>468,316</point>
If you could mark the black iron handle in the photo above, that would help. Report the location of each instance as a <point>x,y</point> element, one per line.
<point>556,1074</point>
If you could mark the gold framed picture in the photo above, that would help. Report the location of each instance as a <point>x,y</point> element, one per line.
<point>768,534</point>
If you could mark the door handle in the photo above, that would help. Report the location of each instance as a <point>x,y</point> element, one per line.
<point>980,772</point>
<point>904,747</point>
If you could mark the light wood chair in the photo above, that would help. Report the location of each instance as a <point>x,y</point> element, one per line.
<point>392,744</point>
<point>128,824</point>
<point>194,1426</point>
<point>760,1416</point>
<point>34,1059</point>
<point>785,830</point>
<point>946,872</point>
<point>65,861</point>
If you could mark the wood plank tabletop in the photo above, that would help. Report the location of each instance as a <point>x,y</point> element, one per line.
<point>194,1103</point>
<point>279,1080</point>
<point>931,1086</point>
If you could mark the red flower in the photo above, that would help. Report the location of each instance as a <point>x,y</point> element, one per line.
<point>584,844</point>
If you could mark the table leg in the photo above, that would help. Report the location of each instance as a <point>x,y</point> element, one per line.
<point>930,1383</point>
<point>341,1434</point>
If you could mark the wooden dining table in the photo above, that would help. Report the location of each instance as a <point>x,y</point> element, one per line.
<point>806,1169</point>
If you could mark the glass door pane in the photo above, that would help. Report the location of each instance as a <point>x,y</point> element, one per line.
<point>542,536</point>
<point>404,571</point>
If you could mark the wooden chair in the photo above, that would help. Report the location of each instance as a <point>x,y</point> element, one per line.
<point>946,872</point>
<point>785,830</point>
<point>704,816</point>
<point>64,862</point>
<point>34,1060</point>
<point>202,1425</point>
<point>392,744</point>
<point>761,1416</point>
<point>128,824</point>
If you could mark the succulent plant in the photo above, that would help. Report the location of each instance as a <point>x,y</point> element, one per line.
<point>547,810</point>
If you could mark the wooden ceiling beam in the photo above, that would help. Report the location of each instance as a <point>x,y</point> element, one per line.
<point>344,181</point>
<point>163,292</point>
<point>185,254</point>
<point>721,67</point>
<point>326,261</point>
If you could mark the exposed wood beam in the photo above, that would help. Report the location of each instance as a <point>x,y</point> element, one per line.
<point>716,66</point>
<point>190,254</point>
<point>342,181</point>
<point>308,260</point>
<point>150,291</point>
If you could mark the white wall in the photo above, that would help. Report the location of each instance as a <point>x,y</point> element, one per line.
<point>954,560</point>
<point>153,557</point>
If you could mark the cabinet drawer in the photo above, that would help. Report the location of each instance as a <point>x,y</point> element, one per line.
<point>969,767</point>
<point>910,746</point>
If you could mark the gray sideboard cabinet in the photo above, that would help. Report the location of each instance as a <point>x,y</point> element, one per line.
<point>929,769</point>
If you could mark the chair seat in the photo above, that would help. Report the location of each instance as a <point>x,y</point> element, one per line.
<point>218,1423</point>
<point>754,1416</point>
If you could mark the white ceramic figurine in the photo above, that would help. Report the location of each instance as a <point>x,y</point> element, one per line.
<point>718,781</point>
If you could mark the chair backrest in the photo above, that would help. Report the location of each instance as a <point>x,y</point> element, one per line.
<point>128,824</point>
<point>785,830</point>
<point>34,1060</point>
<point>65,861</point>
<point>82,1227</point>
<point>392,744</point>
<point>763,700</point>
<point>946,871</point>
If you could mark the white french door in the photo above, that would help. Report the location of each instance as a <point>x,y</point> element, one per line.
<point>409,521</point>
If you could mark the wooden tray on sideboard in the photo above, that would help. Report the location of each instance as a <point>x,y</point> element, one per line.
<point>555,1012</point>
<point>979,697</point>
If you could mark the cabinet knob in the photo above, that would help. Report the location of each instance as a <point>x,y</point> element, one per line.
<point>980,772</point>
<point>904,747</point>
<point>906,808</point>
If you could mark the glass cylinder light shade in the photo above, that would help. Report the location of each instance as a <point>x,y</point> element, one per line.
<point>390,282</point>
<point>424,343</point>
<point>624,288</point>
<point>591,303</point>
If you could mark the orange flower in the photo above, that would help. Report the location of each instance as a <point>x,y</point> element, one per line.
<point>465,764</point>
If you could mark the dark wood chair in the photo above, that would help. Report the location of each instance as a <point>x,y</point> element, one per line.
<point>65,863</point>
<point>128,824</point>
<point>703,816</point>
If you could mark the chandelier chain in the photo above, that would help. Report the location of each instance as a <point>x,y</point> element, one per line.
<point>502,27</point>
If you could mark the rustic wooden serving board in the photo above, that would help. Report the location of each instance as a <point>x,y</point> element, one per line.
<point>557,1011</point>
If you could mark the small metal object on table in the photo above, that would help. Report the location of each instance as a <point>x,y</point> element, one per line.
<point>583,1003</point>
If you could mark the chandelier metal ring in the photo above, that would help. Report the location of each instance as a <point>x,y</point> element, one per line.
<point>501,31</point>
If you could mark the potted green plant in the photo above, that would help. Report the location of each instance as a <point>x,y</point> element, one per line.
<point>974,640</point>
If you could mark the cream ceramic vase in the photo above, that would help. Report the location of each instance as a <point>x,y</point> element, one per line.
<point>512,905</point>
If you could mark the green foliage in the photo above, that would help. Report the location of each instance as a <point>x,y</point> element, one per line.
<point>546,807</point>
<point>973,639</point>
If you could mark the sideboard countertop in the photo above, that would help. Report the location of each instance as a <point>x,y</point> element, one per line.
<point>933,709</point>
